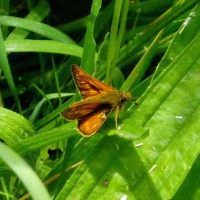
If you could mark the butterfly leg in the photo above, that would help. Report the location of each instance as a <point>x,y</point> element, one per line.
<point>116,116</point>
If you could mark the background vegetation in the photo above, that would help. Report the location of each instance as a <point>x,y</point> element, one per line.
<point>150,48</point>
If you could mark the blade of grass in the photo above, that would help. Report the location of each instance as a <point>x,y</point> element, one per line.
<point>36,27</point>
<point>28,177</point>
<point>186,33</point>
<point>140,69</point>
<point>37,14</point>
<point>48,46</point>
<point>113,39</point>
<point>120,34</point>
<point>172,13</point>
<point>40,103</point>
<point>89,49</point>
<point>53,115</point>
<point>41,140</point>
<point>7,71</point>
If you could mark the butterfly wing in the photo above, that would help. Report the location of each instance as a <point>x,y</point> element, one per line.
<point>92,122</point>
<point>90,116</point>
<point>79,110</point>
<point>87,85</point>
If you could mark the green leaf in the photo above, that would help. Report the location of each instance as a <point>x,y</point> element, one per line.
<point>38,13</point>
<point>37,27</point>
<point>139,70</point>
<point>49,46</point>
<point>170,114</point>
<point>46,98</point>
<point>24,172</point>
<point>187,32</point>
<point>164,154</point>
<point>172,13</point>
<point>4,65</point>
<point>154,152</point>
<point>88,58</point>
<point>14,127</point>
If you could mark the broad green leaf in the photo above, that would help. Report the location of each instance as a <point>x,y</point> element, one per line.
<point>155,165</point>
<point>14,127</point>
<point>41,140</point>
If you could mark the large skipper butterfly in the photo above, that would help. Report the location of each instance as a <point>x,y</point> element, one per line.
<point>99,99</point>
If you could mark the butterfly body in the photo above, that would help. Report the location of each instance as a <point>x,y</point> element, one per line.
<point>99,99</point>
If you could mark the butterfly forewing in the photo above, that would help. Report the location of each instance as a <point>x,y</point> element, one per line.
<point>87,85</point>
<point>77,111</point>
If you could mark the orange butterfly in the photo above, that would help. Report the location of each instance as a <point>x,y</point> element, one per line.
<point>99,99</point>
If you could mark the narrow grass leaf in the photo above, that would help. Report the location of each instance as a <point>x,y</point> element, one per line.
<point>7,71</point>
<point>89,50</point>
<point>36,27</point>
<point>28,177</point>
<point>48,46</point>
<point>41,11</point>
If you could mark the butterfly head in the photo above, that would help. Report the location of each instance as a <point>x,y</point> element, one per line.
<point>126,96</point>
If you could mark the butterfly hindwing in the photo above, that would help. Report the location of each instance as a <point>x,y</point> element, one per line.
<point>91,123</point>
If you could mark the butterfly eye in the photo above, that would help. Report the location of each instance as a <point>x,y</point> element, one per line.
<point>123,99</point>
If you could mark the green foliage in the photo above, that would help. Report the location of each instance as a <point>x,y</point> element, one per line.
<point>150,48</point>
